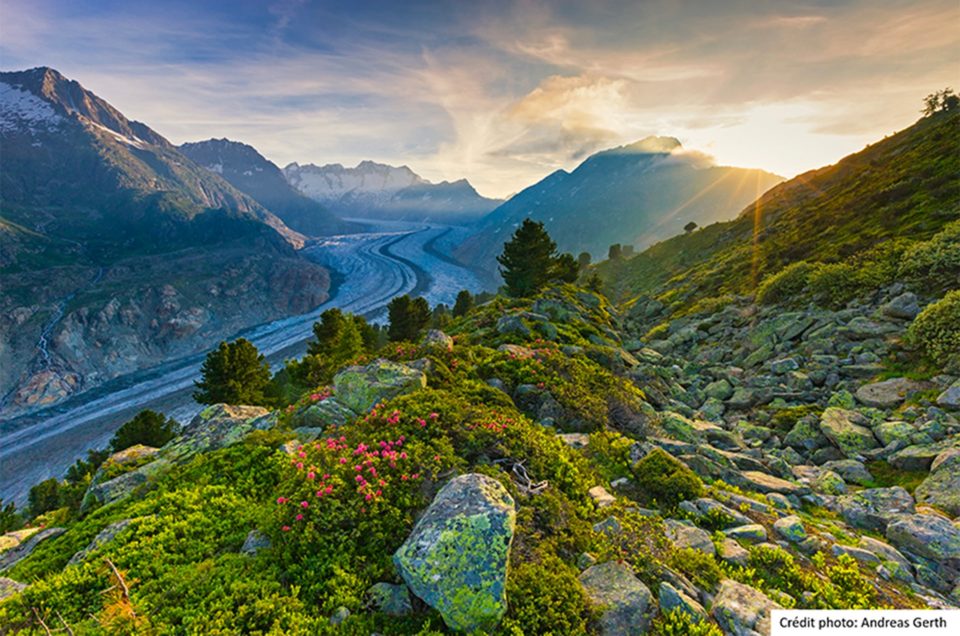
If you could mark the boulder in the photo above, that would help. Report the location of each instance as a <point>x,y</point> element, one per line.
<point>325,413</point>
<point>847,431</point>
<point>904,307</point>
<point>624,598</point>
<point>929,536</point>
<point>684,535</point>
<point>732,552</point>
<point>764,483</point>
<point>752,533</point>
<point>455,559</point>
<point>392,600</point>
<point>216,427</point>
<point>871,509</point>
<point>719,389</point>
<point>886,553</point>
<point>897,431</point>
<point>513,324</point>
<point>916,457</point>
<point>16,554</point>
<point>601,497</point>
<point>436,340</point>
<point>950,398</point>
<point>784,365</point>
<point>790,528</point>
<point>742,610</point>
<point>860,554</point>
<point>103,537</point>
<point>850,470</point>
<point>941,488</point>
<point>887,394</point>
<point>828,482</point>
<point>671,599</point>
<point>360,388</point>
<point>9,587</point>
<point>254,542</point>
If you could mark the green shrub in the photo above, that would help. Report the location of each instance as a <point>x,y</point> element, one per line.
<point>937,331</point>
<point>786,285</point>
<point>679,623</point>
<point>545,598</point>
<point>934,264</point>
<point>701,568</point>
<point>666,480</point>
<point>148,428</point>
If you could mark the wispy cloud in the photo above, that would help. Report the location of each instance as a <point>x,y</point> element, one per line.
<point>502,92</point>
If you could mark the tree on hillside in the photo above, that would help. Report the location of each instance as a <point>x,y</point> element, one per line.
<point>440,317</point>
<point>338,339</point>
<point>529,261</point>
<point>615,252</point>
<point>690,227</point>
<point>584,260</point>
<point>234,373</point>
<point>463,304</point>
<point>408,316</point>
<point>148,428</point>
<point>940,101</point>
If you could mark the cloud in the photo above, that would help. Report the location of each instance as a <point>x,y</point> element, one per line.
<point>502,92</point>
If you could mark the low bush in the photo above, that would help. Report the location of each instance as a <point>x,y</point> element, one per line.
<point>936,331</point>
<point>787,285</point>
<point>666,480</point>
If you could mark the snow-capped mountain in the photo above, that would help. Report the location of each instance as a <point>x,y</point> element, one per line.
<point>376,190</point>
<point>634,195</point>
<point>255,175</point>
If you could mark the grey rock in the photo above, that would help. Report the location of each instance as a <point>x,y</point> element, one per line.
<point>753,533</point>
<point>732,552</point>
<point>742,610</point>
<point>255,542</point>
<point>873,508</point>
<point>103,537</point>
<point>950,398</point>
<point>625,599</point>
<point>601,497</point>
<point>941,488</point>
<point>392,600</point>
<point>672,599</point>
<point>437,340</point>
<point>925,535</point>
<point>847,431</point>
<point>790,528</point>
<point>851,470</point>
<point>860,554</point>
<point>9,587</point>
<point>904,306</point>
<point>20,552</point>
<point>683,535</point>
<point>887,394</point>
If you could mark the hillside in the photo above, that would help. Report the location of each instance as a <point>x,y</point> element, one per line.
<point>901,189</point>
<point>542,471</point>
<point>251,173</point>
<point>378,191</point>
<point>634,195</point>
<point>117,251</point>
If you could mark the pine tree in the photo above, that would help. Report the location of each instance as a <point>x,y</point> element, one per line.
<point>463,304</point>
<point>407,317</point>
<point>526,264</point>
<point>235,373</point>
<point>565,268</point>
<point>148,428</point>
<point>583,260</point>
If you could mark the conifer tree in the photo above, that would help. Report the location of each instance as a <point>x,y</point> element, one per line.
<point>463,304</point>
<point>235,373</point>
<point>148,428</point>
<point>407,317</point>
<point>526,263</point>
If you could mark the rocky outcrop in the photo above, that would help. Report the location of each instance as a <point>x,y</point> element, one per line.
<point>361,388</point>
<point>14,555</point>
<point>942,487</point>
<point>455,559</point>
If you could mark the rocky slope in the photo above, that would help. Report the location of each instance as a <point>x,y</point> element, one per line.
<point>251,173</point>
<point>548,468</point>
<point>378,191</point>
<point>634,195</point>
<point>117,251</point>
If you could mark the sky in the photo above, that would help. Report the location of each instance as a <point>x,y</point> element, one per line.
<point>502,92</point>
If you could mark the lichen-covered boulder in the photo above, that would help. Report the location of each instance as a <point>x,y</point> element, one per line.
<point>16,554</point>
<point>9,587</point>
<point>742,610</point>
<point>436,340</point>
<point>324,413</point>
<point>929,536</point>
<point>847,430</point>
<point>872,508</point>
<point>16,537</point>
<point>217,426</point>
<point>941,488</point>
<point>361,388</point>
<point>122,486</point>
<point>455,559</point>
<point>625,599</point>
<point>103,537</point>
<point>685,535</point>
<point>790,528</point>
<point>751,533</point>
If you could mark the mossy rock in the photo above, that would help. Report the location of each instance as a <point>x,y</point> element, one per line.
<point>455,559</point>
<point>361,388</point>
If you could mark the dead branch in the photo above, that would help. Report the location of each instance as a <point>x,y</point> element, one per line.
<point>44,625</point>
<point>123,586</point>
<point>65,625</point>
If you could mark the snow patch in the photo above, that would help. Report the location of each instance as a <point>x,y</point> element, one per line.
<point>136,142</point>
<point>22,111</point>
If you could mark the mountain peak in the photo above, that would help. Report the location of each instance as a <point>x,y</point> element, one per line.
<point>652,145</point>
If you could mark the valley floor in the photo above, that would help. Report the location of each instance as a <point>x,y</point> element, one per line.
<point>390,259</point>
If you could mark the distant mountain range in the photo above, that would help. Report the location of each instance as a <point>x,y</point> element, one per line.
<point>376,190</point>
<point>253,174</point>
<point>634,195</point>
<point>117,251</point>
